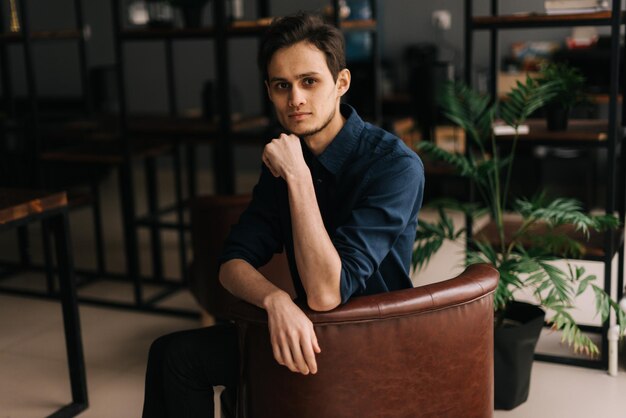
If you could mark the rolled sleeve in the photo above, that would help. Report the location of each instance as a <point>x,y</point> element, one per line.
<point>256,237</point>
<point>388,209</point>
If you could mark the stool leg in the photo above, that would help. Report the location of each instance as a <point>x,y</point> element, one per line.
<point>192,173</point>
<point>24,246</point>
<point>73,340</point>
<point>131,245</point>
<point>153,213</point>
<point>47,256</point>
<point>180,216</point>
<point>97,228</point>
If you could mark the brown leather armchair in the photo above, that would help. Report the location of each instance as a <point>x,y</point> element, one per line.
<point>422,352</point>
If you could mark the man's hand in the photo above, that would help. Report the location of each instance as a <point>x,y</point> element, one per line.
<point>292,334</point>
<point>283,156</point>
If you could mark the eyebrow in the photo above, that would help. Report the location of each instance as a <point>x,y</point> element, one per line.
<point>298,77</point>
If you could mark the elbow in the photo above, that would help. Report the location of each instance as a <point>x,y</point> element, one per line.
<point>324,303</point>
<point>223,274</point>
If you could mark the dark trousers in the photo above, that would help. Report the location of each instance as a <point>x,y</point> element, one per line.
<point>184,366</point>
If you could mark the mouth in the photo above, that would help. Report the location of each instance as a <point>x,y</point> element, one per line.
<point>298,115</point>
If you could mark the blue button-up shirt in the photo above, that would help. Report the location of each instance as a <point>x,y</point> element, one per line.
<point>369,187</point>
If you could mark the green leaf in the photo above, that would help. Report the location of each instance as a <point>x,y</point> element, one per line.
<point>571,333</point>
<point>525,99</point>
<point>603,303</point>
<point>582,286</point>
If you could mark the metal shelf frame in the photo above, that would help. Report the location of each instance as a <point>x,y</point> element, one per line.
<point>615,161</point>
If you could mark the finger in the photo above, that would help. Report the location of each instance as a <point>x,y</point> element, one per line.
<point>309,356</point>
<point>288,359</point>
<point>298,357</point>
<point>277,353</point>
<point>316,344</point>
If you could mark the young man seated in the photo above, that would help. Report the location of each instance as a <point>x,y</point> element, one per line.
<point>339,195</point>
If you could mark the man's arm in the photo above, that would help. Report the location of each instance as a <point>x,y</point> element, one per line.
<point>319,264</point>
<point>292,334</point>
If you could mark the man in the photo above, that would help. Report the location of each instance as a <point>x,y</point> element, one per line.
<point>340,196</point>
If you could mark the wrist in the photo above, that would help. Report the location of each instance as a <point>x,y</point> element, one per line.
<point>299,176</point>
<point>273,298</point>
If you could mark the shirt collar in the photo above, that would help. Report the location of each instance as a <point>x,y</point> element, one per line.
<point>338,151</point>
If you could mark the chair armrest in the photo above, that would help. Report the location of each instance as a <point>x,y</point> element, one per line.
<point>476,281</point>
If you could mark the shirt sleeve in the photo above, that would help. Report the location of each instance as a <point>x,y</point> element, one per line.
<point>256,237</point>
<point>388,206</point>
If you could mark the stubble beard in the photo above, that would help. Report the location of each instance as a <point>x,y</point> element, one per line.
<point>319,129</point>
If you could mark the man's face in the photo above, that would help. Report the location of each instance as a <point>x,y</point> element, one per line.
<point>302,89</point>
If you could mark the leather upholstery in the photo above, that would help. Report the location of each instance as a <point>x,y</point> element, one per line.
<point>422,352</point>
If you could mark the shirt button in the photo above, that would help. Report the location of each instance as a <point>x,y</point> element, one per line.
<point>319,181</point>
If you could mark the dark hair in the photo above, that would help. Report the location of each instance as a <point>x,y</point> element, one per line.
<point>289,30</point>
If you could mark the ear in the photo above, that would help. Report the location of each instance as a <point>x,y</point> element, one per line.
<point>343,81</point>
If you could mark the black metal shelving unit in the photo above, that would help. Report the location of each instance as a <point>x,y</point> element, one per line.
<point>90,147</point>
<point>222,135</point>
<point>610,136</point>
<point>25,126</point>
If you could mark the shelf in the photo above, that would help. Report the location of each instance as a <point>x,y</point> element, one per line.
<point>253,130</point>
<point>16,204</point>
<point>593,249</point>
<point>185,128</point>
<point>240,28</point>
<point>602,98</point>
<point>79,198</point>
<point>105,152</point>
<point>587,132</point>
<point>594,98</point>
<point>358,25</point>
<point>534,20</point>
<point>69,34</point>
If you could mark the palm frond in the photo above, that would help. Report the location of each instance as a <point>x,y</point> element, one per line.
<point>525,99</point>
<point>461,163</point>
<point>571,332</point>
<point>430,236</point>
<point>468,109</point>
<point>473,210</point>
<point>561,211</point>
<point>554,242</point>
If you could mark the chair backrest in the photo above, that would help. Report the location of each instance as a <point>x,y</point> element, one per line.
<point>211,220</point>
<point>421,352</point>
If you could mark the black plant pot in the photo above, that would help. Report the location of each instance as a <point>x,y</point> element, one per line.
<point>192,15</point>
<point>514,349</point>
<point>557,117</point>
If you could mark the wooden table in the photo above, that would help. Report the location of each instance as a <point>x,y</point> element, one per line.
<point>19,207</point>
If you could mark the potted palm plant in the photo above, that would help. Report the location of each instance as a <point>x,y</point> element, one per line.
<point>568,85</point>
<point>522,251</point>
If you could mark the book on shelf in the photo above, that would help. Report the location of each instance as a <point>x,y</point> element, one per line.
<point>570,4</point>
<point>575,11</point>
<point>574,6</point>
<point>500,128</point>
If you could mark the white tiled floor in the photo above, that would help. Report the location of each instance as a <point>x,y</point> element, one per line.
<point>33,372</point>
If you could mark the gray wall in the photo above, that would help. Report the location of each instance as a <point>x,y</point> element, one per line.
<point>402,23</point>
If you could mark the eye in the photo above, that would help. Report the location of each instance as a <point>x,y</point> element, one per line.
<point>309,81</point>
<point>282,85</point>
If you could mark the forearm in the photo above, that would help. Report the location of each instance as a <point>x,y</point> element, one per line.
<point>319,265</point>
<point>248,284</point>
<point>292,335</point>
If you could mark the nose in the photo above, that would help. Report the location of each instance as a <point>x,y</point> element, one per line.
<point>296,97</point>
